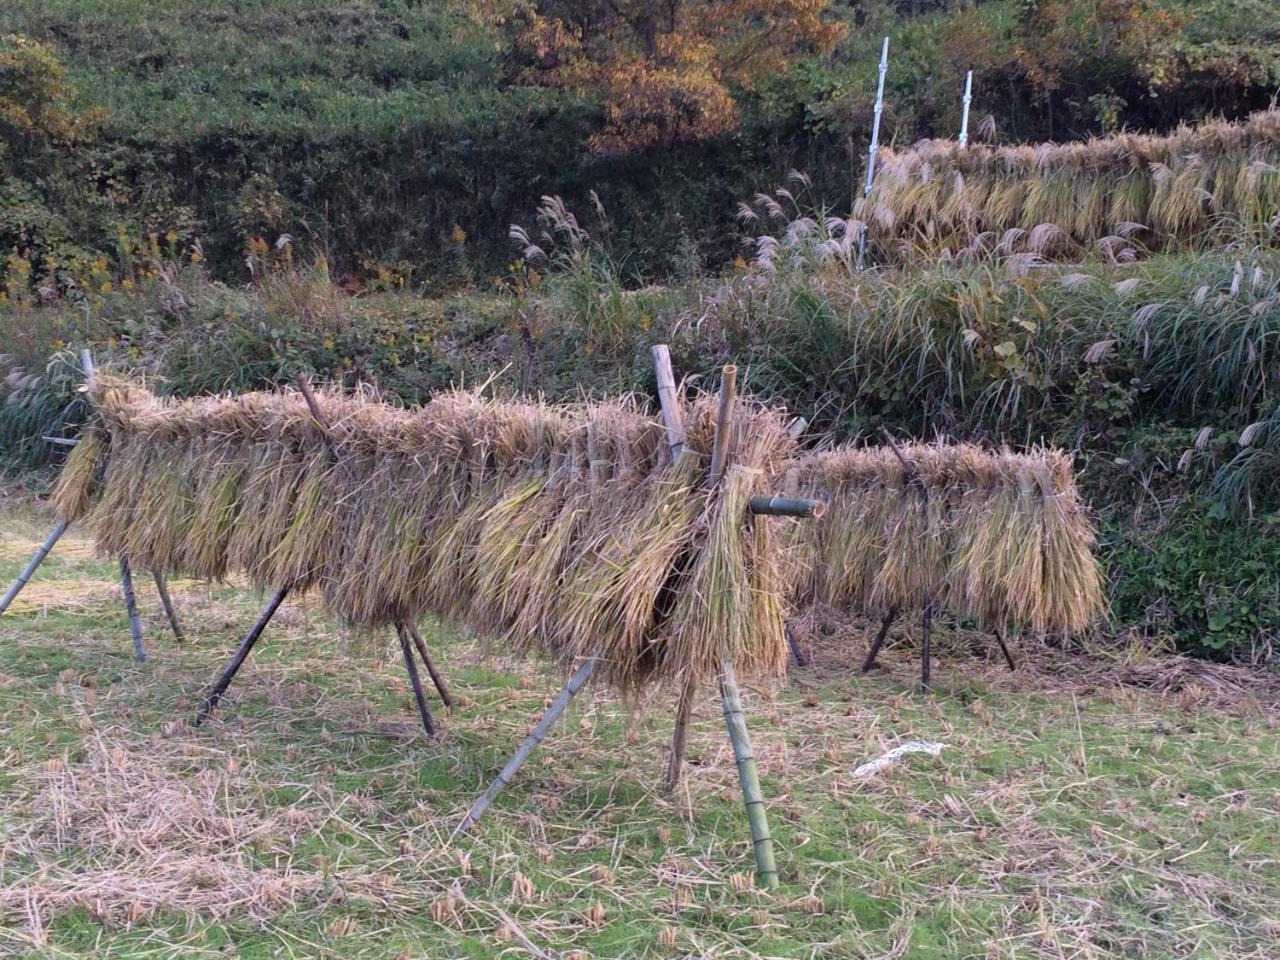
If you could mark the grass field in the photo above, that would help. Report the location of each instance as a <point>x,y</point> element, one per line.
<point>1068,815</point>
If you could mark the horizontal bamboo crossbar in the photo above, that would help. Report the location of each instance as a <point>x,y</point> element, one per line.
<point>787,507</point>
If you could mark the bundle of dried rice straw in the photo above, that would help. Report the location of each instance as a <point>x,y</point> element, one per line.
<point>1000,537</point>
<point>940,194</point>
<point>564,529</point>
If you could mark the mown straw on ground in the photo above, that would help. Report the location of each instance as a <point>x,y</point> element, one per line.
<point>1069,814</point>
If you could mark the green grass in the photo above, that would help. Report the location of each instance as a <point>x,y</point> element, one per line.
<point>311,818</point>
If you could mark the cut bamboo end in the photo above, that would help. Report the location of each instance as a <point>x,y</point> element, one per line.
<point>724,421</point>
<point>787,507</point>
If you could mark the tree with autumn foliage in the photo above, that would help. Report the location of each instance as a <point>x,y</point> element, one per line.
<point>665,71</point>
<point>37,102</point>
<point>1102,45</point>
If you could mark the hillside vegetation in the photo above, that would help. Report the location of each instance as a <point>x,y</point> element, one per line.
<point>378,131</point>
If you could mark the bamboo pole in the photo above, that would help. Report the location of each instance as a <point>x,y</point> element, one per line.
<point>430,665</point>
<point>724,423</point>
<point>402,632</point>
<point>680,734</point>
<point>730,697</point>
<point>131,607</point>
<point>796,428</point>
<point>870,662</point>
<point>242,653</point>
<point>668,398</point>
<point>926,620</point>
<point>309,395</point>
<point>313,405</point>
<point>748,776</point>
<point>126,577</point>
<point>167,602</point>
<point>802,659</point>
<point>926,634</point>
<point>15,588</point>
<point>1004,648</point>
<point>719,450</point>
<point>787,507</point>
<point>535,737</point>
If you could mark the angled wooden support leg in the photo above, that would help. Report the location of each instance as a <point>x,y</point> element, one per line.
<point>926,629</point>
<point>1004,648</point>
<point>430,665</point>
<point>870,662</point>
<point>16,587</point>
<point>748,776</point>
<point>242,653</point>
<point>802,660</point>
<point>402,631</point>
<point>131,606</point>
<point>167,602</point>
<point>680,734</point>
<point>552,714</point>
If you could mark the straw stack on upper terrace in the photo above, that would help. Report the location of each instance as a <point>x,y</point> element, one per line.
<point>560,528</point>
<point>1052,197</point>
<point>999,537</point>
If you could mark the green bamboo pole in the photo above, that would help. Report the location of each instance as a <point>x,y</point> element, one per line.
<point>131,607</point>
<point>748,776</point>
<point>787,507</point>
<point>16,587</point>
<point>730,698</point>
<point>567,693</point>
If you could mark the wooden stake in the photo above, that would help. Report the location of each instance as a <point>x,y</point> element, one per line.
<point>167,602</point>
<point>1008,657</point>
<point>43,551</point>
<point>131,607</point>
<point>402,631</point>
<point>309,395</point>
<point>748,776</point>
<point>552,714</point>
<point>242,654</point>
<point>870,662</point>
<point>680,734</point>
<point>802,660</point>
<point>430,665</point>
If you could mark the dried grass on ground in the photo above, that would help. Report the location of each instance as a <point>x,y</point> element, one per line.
<point>310,818</point>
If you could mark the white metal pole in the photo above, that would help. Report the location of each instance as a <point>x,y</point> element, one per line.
<point>964,120</point>
<point>875,145</point>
